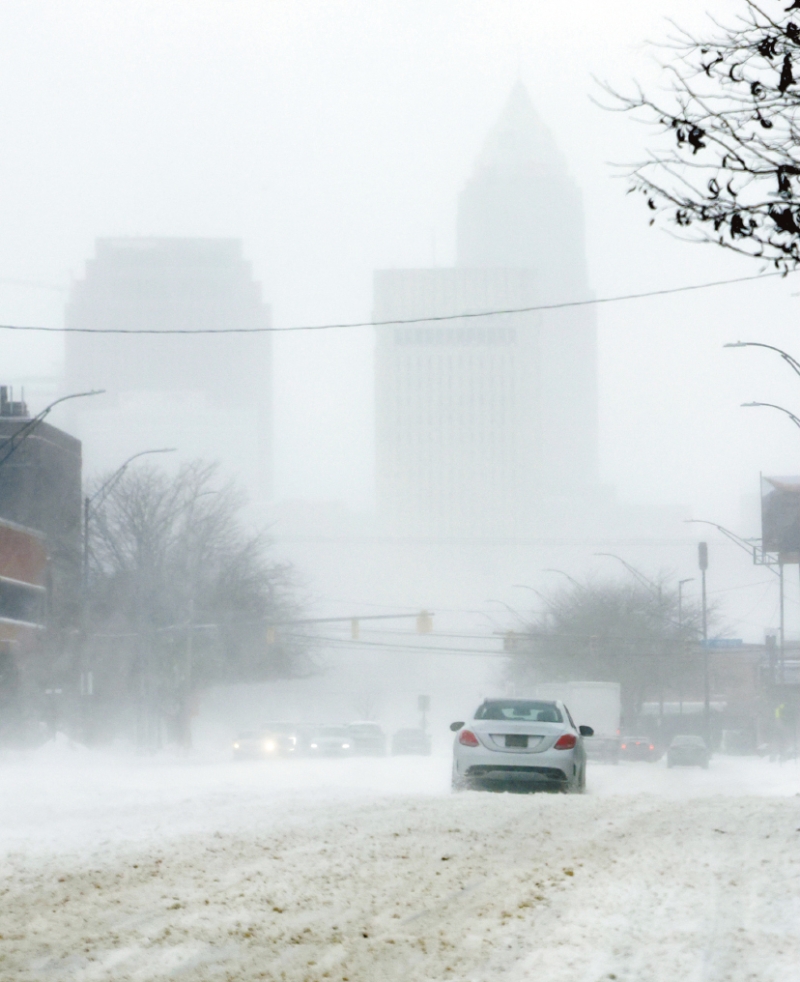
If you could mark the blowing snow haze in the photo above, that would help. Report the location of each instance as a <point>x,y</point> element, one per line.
<point>355,428</point>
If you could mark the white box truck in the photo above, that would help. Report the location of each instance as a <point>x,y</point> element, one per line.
<point>595,704</point>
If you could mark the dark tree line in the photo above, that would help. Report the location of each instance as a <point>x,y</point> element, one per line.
<point>724,164</point>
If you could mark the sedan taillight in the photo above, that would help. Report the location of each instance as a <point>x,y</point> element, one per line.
<point>565,742</point>
<point>468,739</point>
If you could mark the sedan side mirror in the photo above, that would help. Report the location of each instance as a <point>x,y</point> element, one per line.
<point>586,730</point>
<point>455,727</point>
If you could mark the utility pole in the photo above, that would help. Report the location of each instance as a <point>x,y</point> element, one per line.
<point>702,556</point>
<point>90,502</point>
<point>681,584</point>
<point>782,637</point>
<point>186,708</point>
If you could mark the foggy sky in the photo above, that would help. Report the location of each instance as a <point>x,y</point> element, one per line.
<point>333,138</point>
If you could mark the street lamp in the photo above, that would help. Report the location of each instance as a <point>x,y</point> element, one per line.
<point>689,579</point>
<point>793,363</point>
<point>186,723</point>
<point>508,607</point>
<point>771,405</point>
<point>102,492</point>
<point>572,579</point>
<point>28,428</point>
<point>524,586</point>
<point>655,587</point>
<point>748,545</point>
<point>99,496</point>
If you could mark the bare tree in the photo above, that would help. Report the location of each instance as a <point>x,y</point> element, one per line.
<point>725,165</point>
<point>614,632</point>
<point>182,595</point>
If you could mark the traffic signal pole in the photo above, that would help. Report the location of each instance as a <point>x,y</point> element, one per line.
<point>702,556</point>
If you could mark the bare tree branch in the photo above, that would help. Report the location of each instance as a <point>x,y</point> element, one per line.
<point>611,631</point>
<point>725,164</point>
<point>172,564</point>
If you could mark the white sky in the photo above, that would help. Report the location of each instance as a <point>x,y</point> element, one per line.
<point>333,138</point>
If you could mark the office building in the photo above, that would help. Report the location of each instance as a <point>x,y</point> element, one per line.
<point>209,396</point>
<point>487,426</point>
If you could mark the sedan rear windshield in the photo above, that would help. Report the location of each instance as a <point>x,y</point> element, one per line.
<point>521,710</point>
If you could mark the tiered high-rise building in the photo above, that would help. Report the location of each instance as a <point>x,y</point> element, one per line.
<point>487,426</point>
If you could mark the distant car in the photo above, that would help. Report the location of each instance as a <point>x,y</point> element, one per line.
<point>330,741</point>
<point>520,743</point>
<point>687,750</point>
<point>411,742</point>
<point>637,748</point>
<point>368,739</point>
<point>271,740</point>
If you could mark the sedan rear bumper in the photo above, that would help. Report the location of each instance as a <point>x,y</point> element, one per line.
<point>516,773</point>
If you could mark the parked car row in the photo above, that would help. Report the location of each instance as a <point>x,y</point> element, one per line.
<point>282,739</point>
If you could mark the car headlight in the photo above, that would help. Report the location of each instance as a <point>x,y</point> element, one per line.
<point>345,746</point>
<point>270,746</point>
<point>293,740</point>
<point>236,746</point>
<point>313,746</point>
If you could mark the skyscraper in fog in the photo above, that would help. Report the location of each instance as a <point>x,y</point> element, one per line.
<point>208,396</point>
<point>488,426</point>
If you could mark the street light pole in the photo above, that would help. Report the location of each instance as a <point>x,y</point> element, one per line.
<point>86,682</point>
<point>689,579</point>
<point>796,421</point>
<point>27,429</point>
<point>572,579</point>
<point>771,405</point>
<point>102,492</point>
<point>782,652</point>
<point>702,555</point>
<point>790,361</point>
<point>655,587</point>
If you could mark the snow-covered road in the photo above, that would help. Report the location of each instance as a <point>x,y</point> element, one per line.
<point>121,868</point>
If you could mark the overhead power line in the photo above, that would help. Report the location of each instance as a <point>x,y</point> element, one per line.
<point>398,322</point>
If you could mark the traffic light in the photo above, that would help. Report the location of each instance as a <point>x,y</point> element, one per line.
<point>354,629</point>
<point>424,622</point>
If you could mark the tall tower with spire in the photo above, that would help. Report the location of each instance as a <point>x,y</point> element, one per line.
<point>487,426</point>
<point>520,208</point>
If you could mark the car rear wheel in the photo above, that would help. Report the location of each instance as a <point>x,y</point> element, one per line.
<point>457,783</point>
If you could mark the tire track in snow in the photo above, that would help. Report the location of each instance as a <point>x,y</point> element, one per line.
<point>465,887</point>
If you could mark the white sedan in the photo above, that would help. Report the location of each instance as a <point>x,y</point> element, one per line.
<point>520,743</point>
